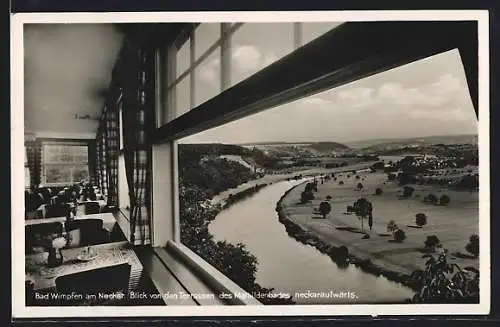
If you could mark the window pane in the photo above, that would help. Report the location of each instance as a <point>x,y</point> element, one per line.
<point>246,209</point>
<point>58,174</point>
<point>123,197</point>
<point>207,78</point>
<point>120,117</point>
<point>27,179</point>
<point>311,31</point>
<point>257,45</point>
<point>182,95</point>
<point>206,34</point>
<point>80,174</point>
<point>183,58</point>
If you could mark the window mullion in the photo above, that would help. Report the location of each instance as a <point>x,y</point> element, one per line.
<point>192,93</point>
<point>225,57</point>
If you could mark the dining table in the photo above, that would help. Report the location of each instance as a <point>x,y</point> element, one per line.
<point>108,220</point>
<point>43,278</point>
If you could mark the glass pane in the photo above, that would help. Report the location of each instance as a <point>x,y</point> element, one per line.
<point>311,31</point>
<point>58,174</point>
<point>257,45</point>
<point>183,58</point>
<point>120,117</point>
<point>205,35</point>
<point>182,96</point>
<point>249,188</point>
<point>207,78</point>
<point>27,177</point>
<point>80,174</point>
<point>123,197</point>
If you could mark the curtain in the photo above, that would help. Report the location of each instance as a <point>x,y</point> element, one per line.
<point>111,141</point>
<point>137,120</point>
<point>34,154</point>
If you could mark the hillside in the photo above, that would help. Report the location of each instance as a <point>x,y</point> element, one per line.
<point>378,144</point>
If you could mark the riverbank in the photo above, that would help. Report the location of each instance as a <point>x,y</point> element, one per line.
<point>377,254</point>
<point>340,254</point>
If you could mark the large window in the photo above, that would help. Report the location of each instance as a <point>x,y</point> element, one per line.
<point>64,163</point>
<point>216,56</point>
<point>243,186</point>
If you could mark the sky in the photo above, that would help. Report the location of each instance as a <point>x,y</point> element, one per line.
<point>423,98</point>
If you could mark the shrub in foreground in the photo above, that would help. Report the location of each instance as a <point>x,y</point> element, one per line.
<point>431,243</point>
<point>473,246</point>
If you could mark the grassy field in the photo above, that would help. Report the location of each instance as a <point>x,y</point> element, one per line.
<point>452,224</point>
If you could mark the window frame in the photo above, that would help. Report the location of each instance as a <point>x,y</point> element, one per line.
<point>165,214</point>
<point>63,142</point>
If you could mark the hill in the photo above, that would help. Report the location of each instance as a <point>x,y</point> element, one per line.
<point>378,144</point>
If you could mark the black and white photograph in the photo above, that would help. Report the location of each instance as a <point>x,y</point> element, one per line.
<point>186,164</point>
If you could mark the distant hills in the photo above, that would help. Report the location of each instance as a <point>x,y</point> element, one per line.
<point>427,140</point>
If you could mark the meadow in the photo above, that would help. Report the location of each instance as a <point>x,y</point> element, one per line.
<point>452,223</point>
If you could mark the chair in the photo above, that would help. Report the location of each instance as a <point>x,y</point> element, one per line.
<point>46,195</point>
<point>108,280</point>
<point>91,232</point>
<point>57,210</point>
<point>92,207</point>
<point>39,236</point>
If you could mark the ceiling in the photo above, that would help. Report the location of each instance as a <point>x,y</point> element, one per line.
<point>67,70</point>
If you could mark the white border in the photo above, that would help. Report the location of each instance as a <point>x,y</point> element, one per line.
<point>17,129</point>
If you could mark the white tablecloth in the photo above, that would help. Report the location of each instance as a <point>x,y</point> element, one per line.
<point>109,254</point>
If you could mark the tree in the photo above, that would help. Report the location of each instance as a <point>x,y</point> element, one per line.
<point>359,186</point>
<point>328,197</point>
<point>473,246</point>
<point>306,196</point>
<point>378,191</point>
<point>391,226</point>
<point>444,199</point>
<point>341,183</point>
<point>431,199</point>
<point>420,219</point>
<point>399,235</point>
<point>325,208</point>
<point>443,282</point>
<point>364,209</point>
<point>431,243</point>
<point>357,177</point>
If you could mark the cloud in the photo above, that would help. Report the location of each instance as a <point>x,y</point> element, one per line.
<point>446,84</point>
<point>248,58</point>
<point>210,71</point>
<point>316,101</point>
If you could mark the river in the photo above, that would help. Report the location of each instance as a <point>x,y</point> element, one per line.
<point>294,268</point>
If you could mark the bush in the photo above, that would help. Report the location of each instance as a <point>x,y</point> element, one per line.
<point>328,197</point>
<point>325,208</point>
<point>444,199</point>
<point>473,246</point>
<point>431,243</point>
<point>420,219</point>
<point>357,177</point>
<point>341,183</point>
<point>399,235</point>
<point>391,226</point>
<point>431,199</point>
<point>378,191</point>
<point>359,186</point>
<point>306,196</point>
<point>342,253</point>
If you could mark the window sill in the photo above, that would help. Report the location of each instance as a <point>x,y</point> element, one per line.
<point>176,272</point>
<point>199,277</point>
